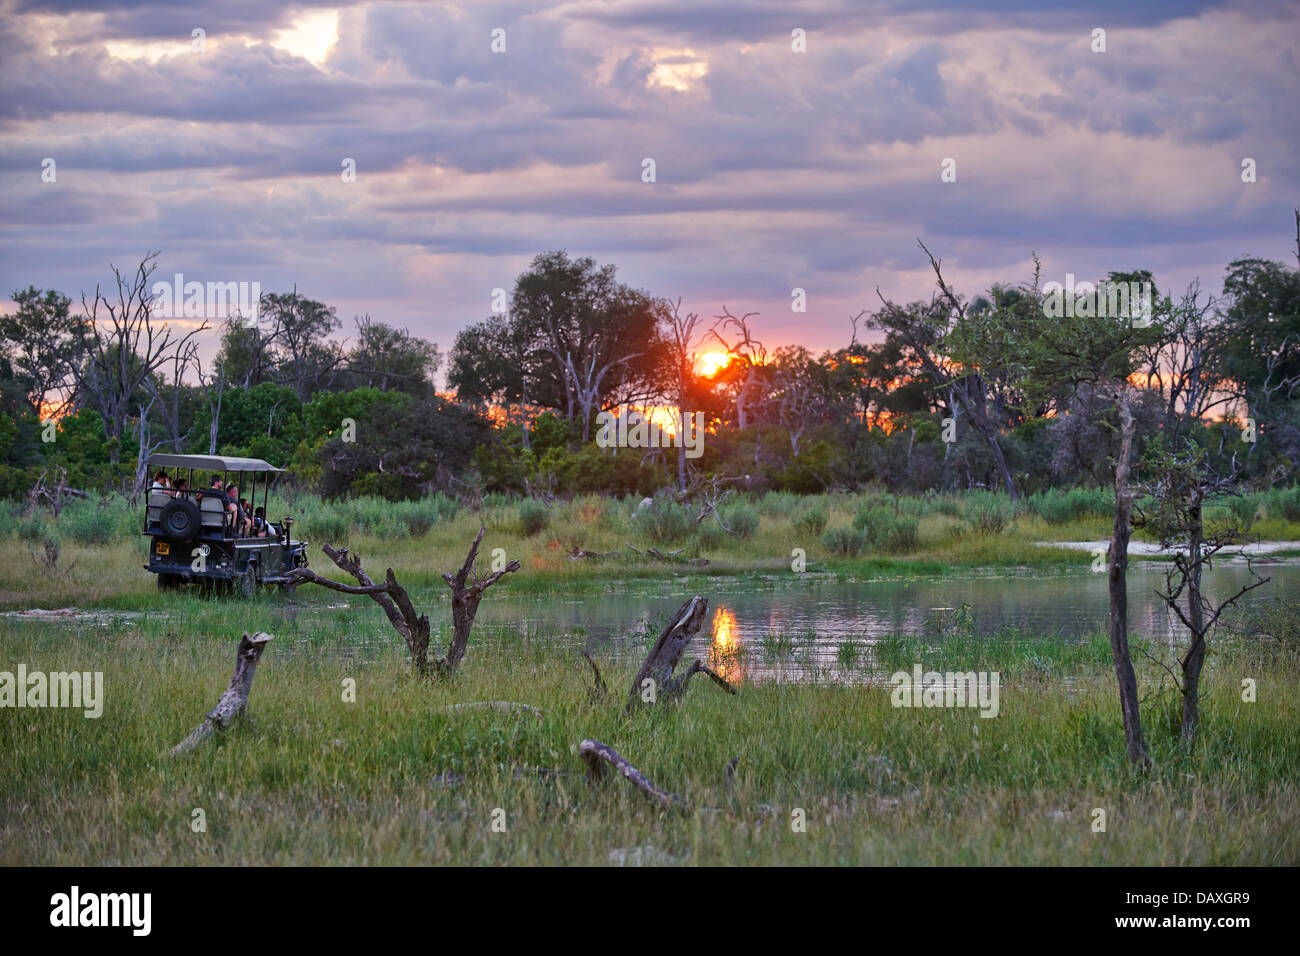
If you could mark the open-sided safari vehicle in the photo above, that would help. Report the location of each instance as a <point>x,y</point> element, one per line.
<point>198,532</point>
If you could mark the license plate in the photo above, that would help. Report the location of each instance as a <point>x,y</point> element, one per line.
<point>163,547</point>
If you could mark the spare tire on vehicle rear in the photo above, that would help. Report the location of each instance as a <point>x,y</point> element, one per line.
<point>180,520</point>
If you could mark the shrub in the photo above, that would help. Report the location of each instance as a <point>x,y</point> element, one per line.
<point>779,504</point>
<point>1287,503</point>
<point>88,522</point>
<point>988,516</point>
<point>1060,507</point>
<point>664,521</point>
<point>533,516</point>
<point>812,521</point>
<point>325,525</point>
<point>1243,509</point>
<point>844,542</point>
<point>1053,507</point>
<point>32,528</point>
<point>884,530</point>
<point>741,519</point>
<point>711,535</point>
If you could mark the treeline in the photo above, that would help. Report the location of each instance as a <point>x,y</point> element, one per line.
<point>995,391</point>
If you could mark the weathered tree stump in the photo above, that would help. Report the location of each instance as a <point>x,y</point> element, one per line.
<point>235,700</point>
<point>596,755</point>
<point>654,682</point>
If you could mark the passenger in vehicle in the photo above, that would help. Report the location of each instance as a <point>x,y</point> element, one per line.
<point>238,517</point>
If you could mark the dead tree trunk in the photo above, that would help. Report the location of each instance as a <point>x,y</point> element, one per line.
<point>235,700</point>
<point>596,755</point>
<point>466,591</point>
<point>655,682</point>
<point>1194,660</point>
<point>1117,580</point>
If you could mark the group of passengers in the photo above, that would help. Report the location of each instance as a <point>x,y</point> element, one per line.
<point>246,521</point>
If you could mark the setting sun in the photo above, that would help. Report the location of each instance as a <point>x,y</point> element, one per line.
<point>709,363</point>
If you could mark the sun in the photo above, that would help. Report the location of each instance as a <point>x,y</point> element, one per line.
<point>709,364</point>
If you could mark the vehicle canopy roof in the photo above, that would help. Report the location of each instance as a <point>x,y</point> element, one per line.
<point>210,463</point>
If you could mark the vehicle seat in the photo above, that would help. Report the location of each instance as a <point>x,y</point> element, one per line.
<point>157,500</point>
<point>212,511</point>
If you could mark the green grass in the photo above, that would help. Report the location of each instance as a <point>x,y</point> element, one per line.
<point>312,779</point>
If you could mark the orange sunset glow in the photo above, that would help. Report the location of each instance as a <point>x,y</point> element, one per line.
<point>710,363</point>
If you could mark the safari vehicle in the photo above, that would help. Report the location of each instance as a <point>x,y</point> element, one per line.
<point>195,533</point>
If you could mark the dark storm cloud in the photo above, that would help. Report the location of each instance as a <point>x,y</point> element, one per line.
<point>774,169</point>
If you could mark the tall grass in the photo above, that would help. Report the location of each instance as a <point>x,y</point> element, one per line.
<point>393,778</point>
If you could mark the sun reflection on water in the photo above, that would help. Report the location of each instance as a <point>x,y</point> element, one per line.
<point>725,649</point>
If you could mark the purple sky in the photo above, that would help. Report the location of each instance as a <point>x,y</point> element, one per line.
<point>775,169</point>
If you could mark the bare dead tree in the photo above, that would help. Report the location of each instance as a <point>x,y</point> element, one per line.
<point>585,382</point>
<point>1184,484</point>
<point>704,498</point>
<point>126,348</point>
<point>654,682</point>
<point>53,496</point>
<point>683,348</point>
<point>235,700</point>
<point>214,388</point>
<point>922,337</point>
<point>467,588</point>
<point>146,448</point>
<point>744,348</point>
<point>169,406</point>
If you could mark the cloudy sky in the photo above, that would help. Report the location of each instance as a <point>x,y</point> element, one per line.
<point>775,168</point>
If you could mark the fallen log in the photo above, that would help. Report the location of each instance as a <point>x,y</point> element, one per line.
<point>504,706</point>
<point>235,700</point>
<point>597,755</point>
<point>670,557</point>
<point>576,554</point>
<point>654,682</point>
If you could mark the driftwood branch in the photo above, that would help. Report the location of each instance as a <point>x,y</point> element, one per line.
<point>235,700</point>
<point>654,682</point>
<point>597,755</point>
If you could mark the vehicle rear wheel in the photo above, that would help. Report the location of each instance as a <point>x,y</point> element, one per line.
<point>168,582</point>
<point>246,583</point>
<point>180,520</point>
